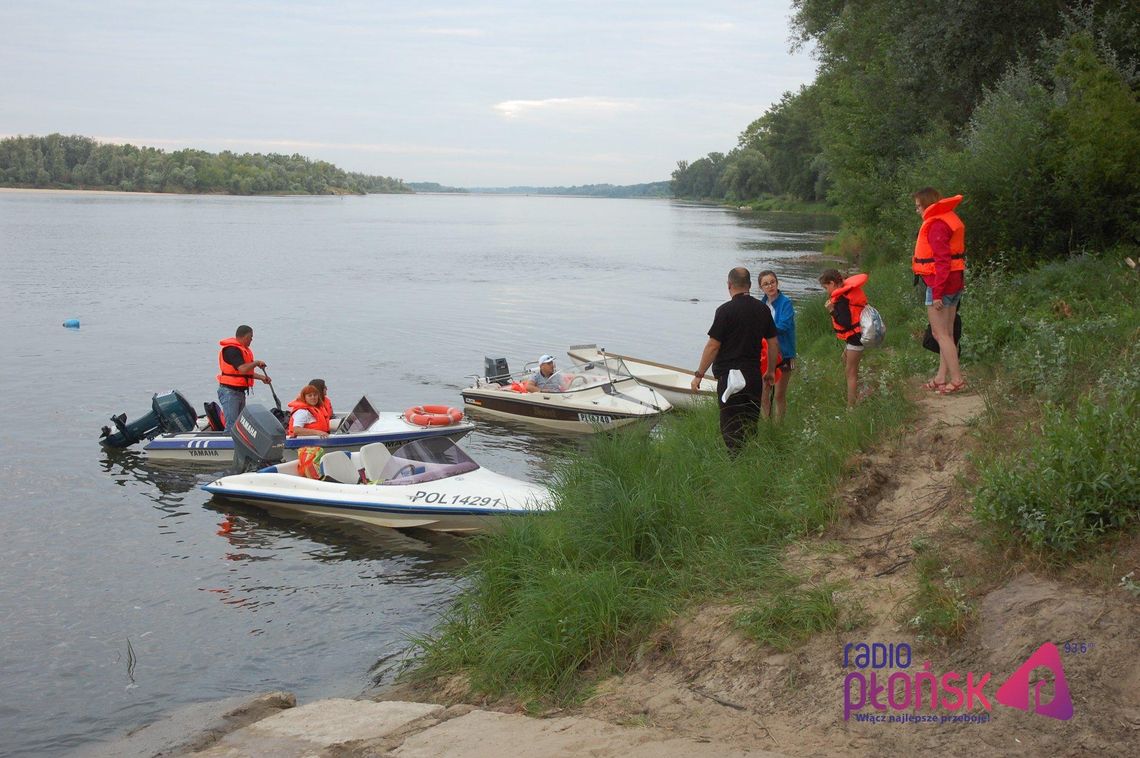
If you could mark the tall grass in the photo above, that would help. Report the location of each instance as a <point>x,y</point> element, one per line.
<point>1065,336</point>
<point>647,522</point>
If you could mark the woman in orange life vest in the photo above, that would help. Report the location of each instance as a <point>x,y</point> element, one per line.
<point>308,418</point>
<point>323,389</point>
<point>940,259</point>
<point>845,301</point>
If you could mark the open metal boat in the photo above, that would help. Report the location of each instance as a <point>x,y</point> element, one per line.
<point>592,397</point>
<point>363,426</point>
<point>426,484</point>
<point>674,382</point>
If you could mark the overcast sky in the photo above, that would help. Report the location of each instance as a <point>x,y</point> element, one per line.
<point>465,93</point>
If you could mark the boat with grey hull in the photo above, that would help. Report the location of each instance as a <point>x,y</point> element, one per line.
<point>589,398</point>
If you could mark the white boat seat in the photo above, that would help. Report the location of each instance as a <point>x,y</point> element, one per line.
<point>337,465</point>
<point>374,457</point>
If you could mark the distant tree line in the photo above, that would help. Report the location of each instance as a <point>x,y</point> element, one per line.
<point>1027,108</point>
<point>73,162</point>
<point>652,189</point>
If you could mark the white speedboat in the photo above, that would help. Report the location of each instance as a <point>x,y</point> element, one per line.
<point>426,484</point>
<point>363,426</point>
<point>674,382</point>
<point>593,397</point>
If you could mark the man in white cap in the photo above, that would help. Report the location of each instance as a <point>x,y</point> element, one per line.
<point>546,379</point>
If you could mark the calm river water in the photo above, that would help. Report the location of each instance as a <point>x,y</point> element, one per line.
<point>120,599</point>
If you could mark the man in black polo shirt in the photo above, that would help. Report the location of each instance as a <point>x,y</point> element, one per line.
<point>734,343</point>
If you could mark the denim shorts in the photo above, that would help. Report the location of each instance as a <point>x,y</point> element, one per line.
<point>947,300</point>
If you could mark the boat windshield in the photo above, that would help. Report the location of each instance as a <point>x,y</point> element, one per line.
<point>425,460</point>
<point>593,374</point>
<point>361,419</point>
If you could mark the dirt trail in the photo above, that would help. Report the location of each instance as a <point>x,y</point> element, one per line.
<point>705,680</point>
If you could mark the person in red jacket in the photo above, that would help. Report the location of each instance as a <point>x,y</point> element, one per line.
<point>845,301</point>
<point>940,259</point>
<point>237,369</point>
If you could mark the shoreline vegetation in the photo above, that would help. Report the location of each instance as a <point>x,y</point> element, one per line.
<point>73,162</point>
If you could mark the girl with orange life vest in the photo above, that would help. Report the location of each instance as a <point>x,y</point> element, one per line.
<point>845,302</point>
<point>307,418</point>
<point>940,259</point>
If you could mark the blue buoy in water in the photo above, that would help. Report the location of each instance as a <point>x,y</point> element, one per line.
<point>71,323</point>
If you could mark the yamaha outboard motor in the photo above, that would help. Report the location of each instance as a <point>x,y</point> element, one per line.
<point>495,370</point>
<point>170,414</point>
<point>259,439</point>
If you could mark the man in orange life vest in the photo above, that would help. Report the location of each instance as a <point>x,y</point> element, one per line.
<point>236,372</point>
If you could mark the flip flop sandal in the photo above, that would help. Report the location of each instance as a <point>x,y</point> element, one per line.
<point>933,386</point>
<point>951,387</point>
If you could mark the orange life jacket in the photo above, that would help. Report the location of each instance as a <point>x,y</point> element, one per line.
<point>923,261</point>
<point>764,360</point>
<point>320,422</point>
<point>309,462</point>
<point>229,375</point>
<point>852,287</point>
<point>326,406</point>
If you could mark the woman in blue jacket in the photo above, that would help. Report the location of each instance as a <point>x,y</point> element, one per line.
<point>785,317</point>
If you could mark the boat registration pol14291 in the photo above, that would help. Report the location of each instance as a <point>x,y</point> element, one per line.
<point>442,498</point>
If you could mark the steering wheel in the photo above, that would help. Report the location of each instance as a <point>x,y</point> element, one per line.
<point>575,380</point>
<point>410,468</point>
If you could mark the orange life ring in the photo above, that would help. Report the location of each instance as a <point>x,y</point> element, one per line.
<point>433,415</point>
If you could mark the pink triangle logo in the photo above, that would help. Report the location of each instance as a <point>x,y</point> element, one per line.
<point>1015,691</point>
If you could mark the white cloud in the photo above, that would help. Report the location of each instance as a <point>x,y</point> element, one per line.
<point>513,109</point>
<point>453,32</point>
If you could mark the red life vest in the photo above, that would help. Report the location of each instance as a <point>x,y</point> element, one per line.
<point>923,261</point>
<point>228,374</point>
<point>764,360</point>
<point>852,287</point>
<point>320,422</point>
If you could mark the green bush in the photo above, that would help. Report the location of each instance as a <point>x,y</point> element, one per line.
<point>1077,481</point>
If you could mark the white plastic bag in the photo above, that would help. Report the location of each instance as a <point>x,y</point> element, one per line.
<point>734,384</point>
<point>872,328</point>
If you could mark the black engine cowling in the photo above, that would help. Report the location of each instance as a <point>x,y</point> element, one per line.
<point>170,414</point>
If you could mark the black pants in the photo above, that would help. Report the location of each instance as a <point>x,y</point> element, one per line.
<point>741,414</point>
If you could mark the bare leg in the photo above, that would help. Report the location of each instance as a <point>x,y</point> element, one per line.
<point>851,364</point>
<point>766,401</point>
<point>781,393</point>
<point>942,329</point>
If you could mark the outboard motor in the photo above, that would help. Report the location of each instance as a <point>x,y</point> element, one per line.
<point>495,370</point>
<point>259,439</point>
<point>170,414</point>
